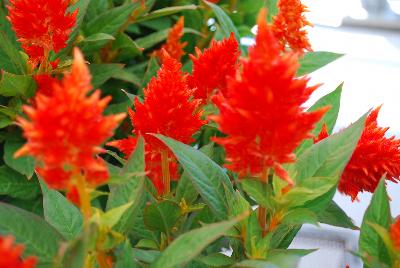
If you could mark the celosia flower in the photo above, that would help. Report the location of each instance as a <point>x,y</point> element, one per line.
<point>41,26</point>
<point>65,130</point>
<point>167,110</point>
<point>173,46</point>
<point>263,114</point>
<point>322,134</point>
<point>44,83</point>
<point>212,66</point>
<point>374,156</point>
<point>10,255</point>
<point>395,234</point>
<point>288,25</point>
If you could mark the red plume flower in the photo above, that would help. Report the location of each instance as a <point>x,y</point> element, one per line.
<point>41,26</point>
<point>173,46</point>
<point>10,255</point>
<point>374,156</point>
<point>65,130</point>
<point>167,110</point>
<point>289,23</point>
<point>322,134</point>
<point>44,84</point>
<point>395,233</point>
<point>263,114</point>
<point>212,66</point>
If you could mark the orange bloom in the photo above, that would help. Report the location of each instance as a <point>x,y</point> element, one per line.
<point>395,233</point>
<point>173,46</point>
<point>322,134</point>
<point>289,23</point>
<point>212,66</point>
<point>44,83</point>
<point>373,156</point>
<point>65,130</point>
<point>167,110</point>
<point>10,255</point>
<point>41,26</point>
<point>263,114</point>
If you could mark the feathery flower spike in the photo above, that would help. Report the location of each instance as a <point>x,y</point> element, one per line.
<point>173,46</point>
<point>212,66</point>
<point>373,156</point>
<point>167,110</point>
<point>262,114</point>
<point>65,129</point>
<point>288,25</point>
<point>41,26</point>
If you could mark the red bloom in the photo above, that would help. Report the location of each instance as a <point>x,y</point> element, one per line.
<point>212,66</point>
<point>395,233</point>
<point>262,113</point>
<point>44,84</point>
<point>168,110</point>
<point>289,23</point>
<point>41,26</point>
<point>10,255</point>
<point>65,129</point>
<point>374,156</point>
<point>173,46</point>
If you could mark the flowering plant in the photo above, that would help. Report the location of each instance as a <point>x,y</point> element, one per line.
<point>145,134</point>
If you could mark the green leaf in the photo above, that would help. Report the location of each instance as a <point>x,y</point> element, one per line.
<point>162,216</point>
<point>10,58</point>
<point>333,100</point>
<point>299,216</point>
<point>12,85</point>
<point>187,246</point>
<point>257,190</point>
<point>216,260</point>
<point>226,23</point>
<point>114,215</point>
<point>102,72</point>
<point>378,212</point>
<point>284,235</point>
<point>25,164</point>
<point>130,191</point>
<point>98,37</point>
<point>151,71</point>
<point>109,22</point>
<point>334,215</point>
<point>39,238</point>
<point>125,258</point>
<point>152,39</point>
<point>185,189</point>
<point>166,12</point>
<point>128,49</point>
<point>319,168</point>
<point>207,177</point>
<point>60,213</point>
<point>313,61</point>
<point>16,185</point>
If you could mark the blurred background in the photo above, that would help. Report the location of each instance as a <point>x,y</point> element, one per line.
<point>368,33</point>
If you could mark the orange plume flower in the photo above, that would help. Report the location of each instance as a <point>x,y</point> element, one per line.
<point>288,25</point>
<point>41,26</point>
<point>173,46</point>
<point>167,110</point>
<point>263,114</point>
<point>395,233</point>
<point>65,130</point>
<point>373,156</point>
<point>10,255</point>
<point>212,66</point>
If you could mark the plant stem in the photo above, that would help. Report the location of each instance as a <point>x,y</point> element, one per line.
<point>262,211</point>
<point>84,197</point>
<point>165,171</point>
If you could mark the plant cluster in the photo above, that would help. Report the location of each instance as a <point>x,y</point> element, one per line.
<point>145,134</point>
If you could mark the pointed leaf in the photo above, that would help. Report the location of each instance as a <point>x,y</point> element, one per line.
<point>334,215</point>
<point>60,213</point>
<point>25,164</point>
<point>16,185</point>
<point>313,61</point>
